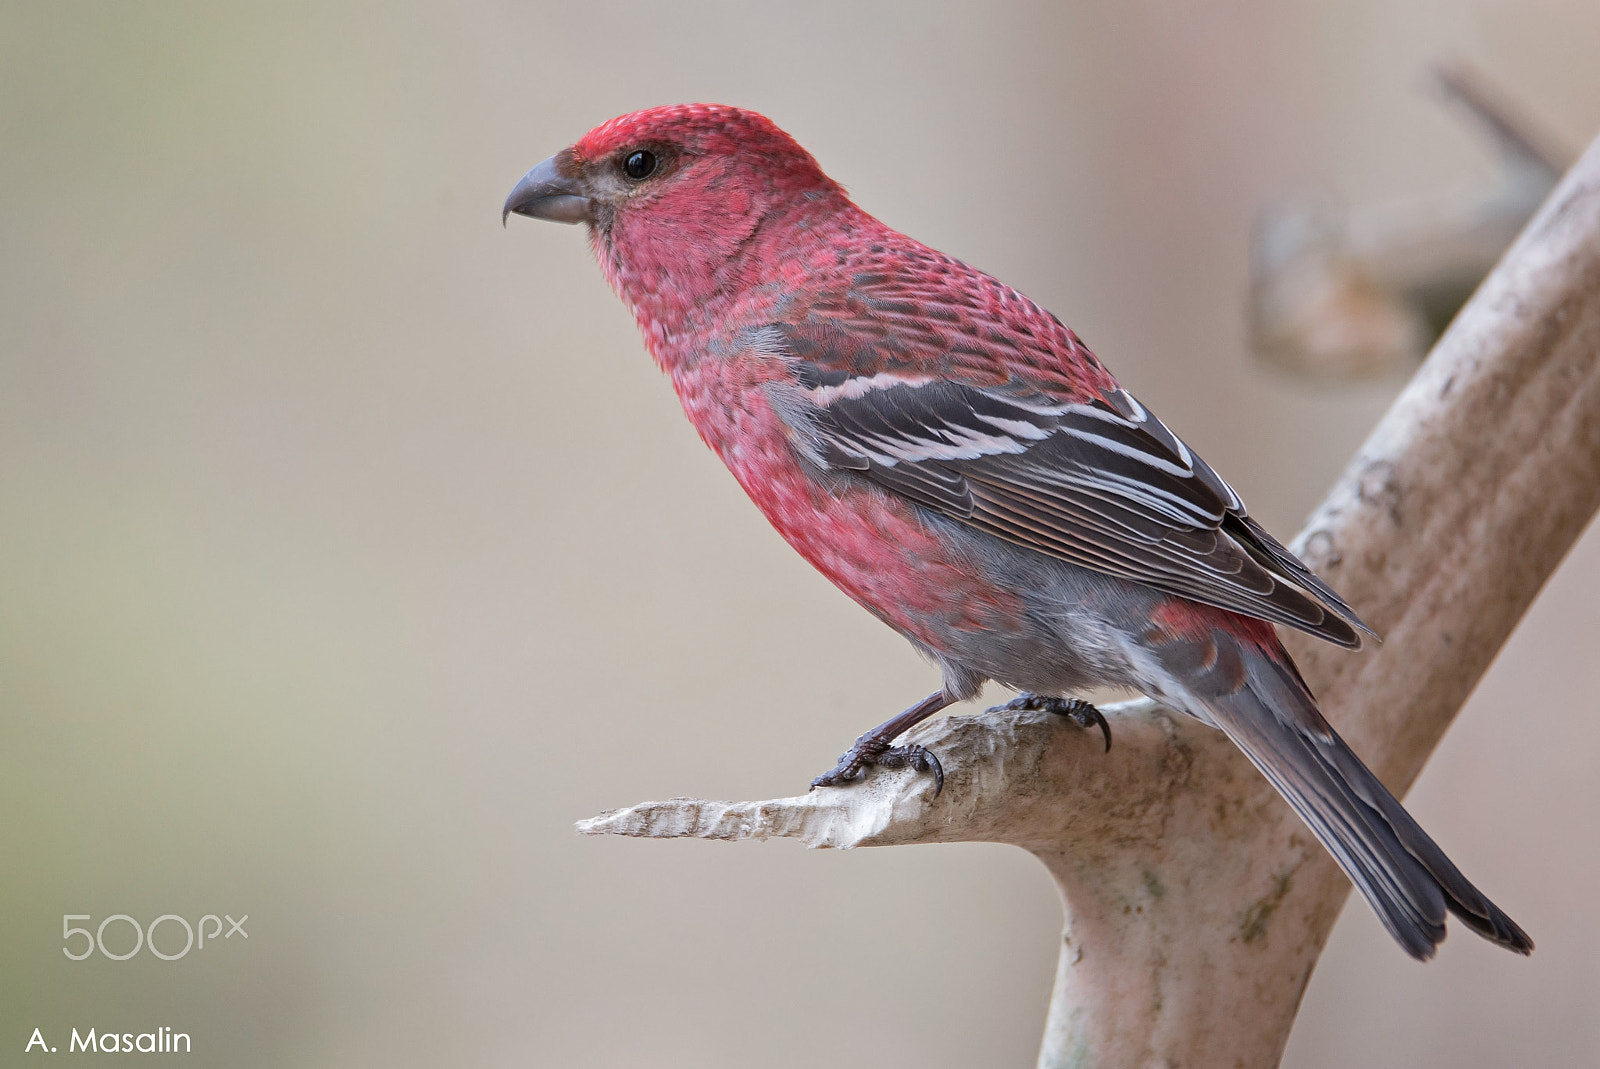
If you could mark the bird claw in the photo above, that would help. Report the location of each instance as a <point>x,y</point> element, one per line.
<point>868,752</point>
<point>1077,710</point>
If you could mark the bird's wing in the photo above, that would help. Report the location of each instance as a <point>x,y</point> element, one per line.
<point>1100,483</point>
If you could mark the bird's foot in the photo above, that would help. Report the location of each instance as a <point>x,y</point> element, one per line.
<point>1077,710</point>
<point>869,751</point>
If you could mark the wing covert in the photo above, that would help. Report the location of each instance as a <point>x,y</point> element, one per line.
<point>1101,483</point>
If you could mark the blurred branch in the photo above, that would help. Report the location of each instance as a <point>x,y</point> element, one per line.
<point>1520,140</point>
<point>1196,903</point>
<point>1349,294</point>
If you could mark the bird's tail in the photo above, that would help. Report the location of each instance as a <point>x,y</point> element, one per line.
<point>1397,868</point>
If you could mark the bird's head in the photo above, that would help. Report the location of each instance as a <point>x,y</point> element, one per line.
<point>674,195</point>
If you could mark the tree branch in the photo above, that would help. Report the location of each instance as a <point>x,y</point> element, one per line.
<point>1196,902</point>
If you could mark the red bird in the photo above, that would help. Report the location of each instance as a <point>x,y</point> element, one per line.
<point>957,461</point>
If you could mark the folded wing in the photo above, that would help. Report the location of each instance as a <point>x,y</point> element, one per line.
<point>1102,484</point>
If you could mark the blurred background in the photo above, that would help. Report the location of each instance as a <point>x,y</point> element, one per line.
<point>351,547</point>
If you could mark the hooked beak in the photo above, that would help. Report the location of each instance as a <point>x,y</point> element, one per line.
<point>544,193</point>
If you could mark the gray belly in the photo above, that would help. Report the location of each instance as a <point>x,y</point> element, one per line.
<point>1078,630</point>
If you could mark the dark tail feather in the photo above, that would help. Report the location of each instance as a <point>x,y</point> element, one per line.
<point>1399,870</point>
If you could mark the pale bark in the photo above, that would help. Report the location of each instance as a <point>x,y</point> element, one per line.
<point>1196,902</point>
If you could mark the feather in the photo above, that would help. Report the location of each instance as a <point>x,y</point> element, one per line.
<point>1100,483</point>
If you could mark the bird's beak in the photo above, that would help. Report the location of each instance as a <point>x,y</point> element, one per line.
<point>544,193</point>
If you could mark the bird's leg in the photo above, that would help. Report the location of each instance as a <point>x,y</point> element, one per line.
<point>1077,710</point>
<point>873,748</point>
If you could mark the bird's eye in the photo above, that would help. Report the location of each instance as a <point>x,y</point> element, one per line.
<point>639,165</point>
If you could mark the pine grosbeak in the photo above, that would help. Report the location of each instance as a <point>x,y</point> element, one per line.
<point>957,461</point>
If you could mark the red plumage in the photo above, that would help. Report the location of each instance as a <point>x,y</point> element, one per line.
<point>958,462</point>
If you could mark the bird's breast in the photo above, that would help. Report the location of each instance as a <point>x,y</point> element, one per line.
<point>871,544</point>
